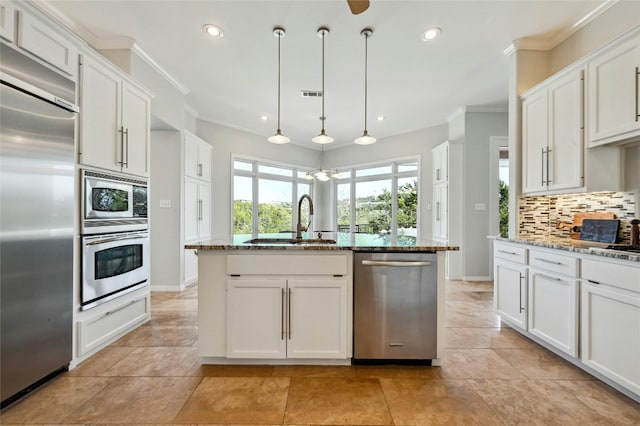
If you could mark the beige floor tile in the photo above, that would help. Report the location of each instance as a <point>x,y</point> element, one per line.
<point>237,400</point>
<point>537,402</point>
<point>336,401</point>
<point>163,336</point>
<point>160,296</point>
<point>137,400</point>
<point>470,305</point>
<point>436,402</point>
<point>313,371</point>
<point>173,318</point>
<point>54,402</point>
<point>190,292</point>
<point>398,372</point>
<point>205,370</point>
<point>101,361</point>
<point>458,338</point>
<point>471,296</point>
<point>177,304</point>
<point>156,362</point>
<point>539,363</point>
<point>460,316</point>
<point>454,286</point>
<point>477,364</point>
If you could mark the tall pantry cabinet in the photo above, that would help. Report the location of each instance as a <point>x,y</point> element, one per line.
<point>447,202</point>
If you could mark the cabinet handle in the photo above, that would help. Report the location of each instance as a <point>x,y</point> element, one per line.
<point>593,282</point>
<point>549,180</point>
<point>437,210</point>
<point>549,277</point>
<point>121,307</point>
<point>199,169</point>
<point>542,166</point>
<point>548,261</point>
<point>637,100</point>
<point>199,209</point>
<point>520,292</point>
<point>289,318</point>
<point>121,131</point>
<point>282,316</point>
<point>513,253</point>
<point>437,174</point>
<point>126,134</point>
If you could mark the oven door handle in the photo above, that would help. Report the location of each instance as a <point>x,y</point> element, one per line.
<point>109,240</point>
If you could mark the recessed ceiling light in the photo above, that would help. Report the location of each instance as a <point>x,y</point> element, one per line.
<point>381,117</point>
<point>263,118</point>
<point>213,30</point>
<point>431,33</point>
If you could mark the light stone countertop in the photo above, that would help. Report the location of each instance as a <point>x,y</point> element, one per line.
<point>576,246</point>
<point>422,246</point>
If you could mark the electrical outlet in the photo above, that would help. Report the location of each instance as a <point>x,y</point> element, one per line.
<point>481,206</point>
<point>165,204</point>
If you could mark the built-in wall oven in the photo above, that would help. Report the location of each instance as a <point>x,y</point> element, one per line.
<point>115,237</point>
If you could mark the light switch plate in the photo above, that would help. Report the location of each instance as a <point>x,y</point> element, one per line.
<point>165,204</point>
<point>481,206</point>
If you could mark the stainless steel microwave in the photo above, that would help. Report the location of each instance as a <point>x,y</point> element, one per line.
<point>113,203</point>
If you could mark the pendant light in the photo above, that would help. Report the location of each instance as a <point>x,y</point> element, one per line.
<point>322,138</point>
<point>278,138</point>
<point>365,139</point>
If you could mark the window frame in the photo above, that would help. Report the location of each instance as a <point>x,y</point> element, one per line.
<point>255,176</point>
<point>394,176</point>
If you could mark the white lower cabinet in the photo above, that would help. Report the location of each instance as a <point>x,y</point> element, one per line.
<point>553,310</point>
<point>510,283</point>
<point>610,321</point>
<point>276,318</point>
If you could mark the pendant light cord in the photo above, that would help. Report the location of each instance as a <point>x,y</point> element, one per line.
<point>324,34</point>
<point>279,39</point>
<point>366,50</point>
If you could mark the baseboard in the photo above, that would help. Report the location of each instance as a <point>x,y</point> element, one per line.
<point>476,278</point>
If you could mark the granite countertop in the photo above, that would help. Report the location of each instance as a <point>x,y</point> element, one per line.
<point>421,246</point>
<point>576,246</point>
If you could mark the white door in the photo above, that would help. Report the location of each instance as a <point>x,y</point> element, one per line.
<point>553,310</point>
<point>136,121</point>
<point>101,141</point>
<point>610,333</point>
<point>191,210</point>
<point>534,140</point>
<point>317,326</point>
<point>566,132</point>
<point>256,318</point>
<point>613,93</point>
<point>510,298</point>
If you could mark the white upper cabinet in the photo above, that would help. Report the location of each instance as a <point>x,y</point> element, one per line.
<point>114,120</point>
<point>197,155</point>
<point>7,21</point>
<point>440,163</point>
<point>552,135</point>
<point>613,94</point>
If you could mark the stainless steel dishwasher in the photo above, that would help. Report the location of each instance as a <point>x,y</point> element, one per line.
<point>395,306</point>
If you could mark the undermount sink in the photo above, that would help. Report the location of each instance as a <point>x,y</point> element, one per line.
<point>289,241</point>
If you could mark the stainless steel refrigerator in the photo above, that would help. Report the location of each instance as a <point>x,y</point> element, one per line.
<point>36,224</point>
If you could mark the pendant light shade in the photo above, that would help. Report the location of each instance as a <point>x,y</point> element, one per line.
<point>322,138</point>
<point>365,139</point>
<point>278,138</point>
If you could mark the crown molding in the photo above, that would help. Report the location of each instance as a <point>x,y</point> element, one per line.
<point>158,68</point>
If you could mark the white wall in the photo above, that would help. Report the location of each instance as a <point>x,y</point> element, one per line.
<point>227,141</point>
<point>165,183</point>
<point>409,144</point>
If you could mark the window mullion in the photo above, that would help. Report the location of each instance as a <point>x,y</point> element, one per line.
<point>256,202</point>
<point>394,205</point>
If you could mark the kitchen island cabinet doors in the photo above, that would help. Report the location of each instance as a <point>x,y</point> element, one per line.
<point>613,100</point>
<point>277,318</point>
<point>552,135</point>
<point>510,284</point>
<point>114,120</point>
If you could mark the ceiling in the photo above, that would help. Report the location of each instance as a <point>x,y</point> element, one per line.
<point>413,84</point>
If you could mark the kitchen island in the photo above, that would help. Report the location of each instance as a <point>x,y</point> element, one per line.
<point>286,303</point>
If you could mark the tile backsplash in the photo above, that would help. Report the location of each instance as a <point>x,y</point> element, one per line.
<point>539,216</point>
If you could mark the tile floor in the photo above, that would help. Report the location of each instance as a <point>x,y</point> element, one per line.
<point>491,375</point>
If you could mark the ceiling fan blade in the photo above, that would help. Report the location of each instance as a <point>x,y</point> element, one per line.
<point>358,6</point>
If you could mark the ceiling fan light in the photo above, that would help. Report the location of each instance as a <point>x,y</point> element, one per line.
<point>365,139</point>
<point>322,138</point>
<point>278,138</point>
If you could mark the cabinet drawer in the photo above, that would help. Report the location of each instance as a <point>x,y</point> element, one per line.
<point>287,264</point>
<point>7,21</point>
<point>512,253</point>
<point>104,326</point>
<point>553,262</point>
<point>621,276</point>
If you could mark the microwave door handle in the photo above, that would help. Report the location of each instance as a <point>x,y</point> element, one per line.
<point>109,240</point>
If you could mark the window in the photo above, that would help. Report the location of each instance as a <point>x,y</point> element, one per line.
<point>378,204</point>
<point>265,198</point>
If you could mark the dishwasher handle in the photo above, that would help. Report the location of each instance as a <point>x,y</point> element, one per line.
<point>395,263</point>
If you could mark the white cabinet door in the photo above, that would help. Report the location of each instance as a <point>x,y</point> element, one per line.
<point>553,310</point>
<point>190,267</point>
<point>204,222</point>
<point>510,292</point>
<point>191,210</point>
<point>256,318</point>
<point>101,143</point>
<point>136,113</point>
<point>197,157</point>
<point>317,326</point>
<point>7,21</point>
<point>204,161</point>
<point>440,163</point>
<point>610,333</point>
<point>535,133</point>
<point>39,39</point>
<point>612,101</point>
<point>565,145</point>
<point>440,211</point>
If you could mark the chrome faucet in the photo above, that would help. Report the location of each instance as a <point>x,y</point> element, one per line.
<point>299,227</point>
